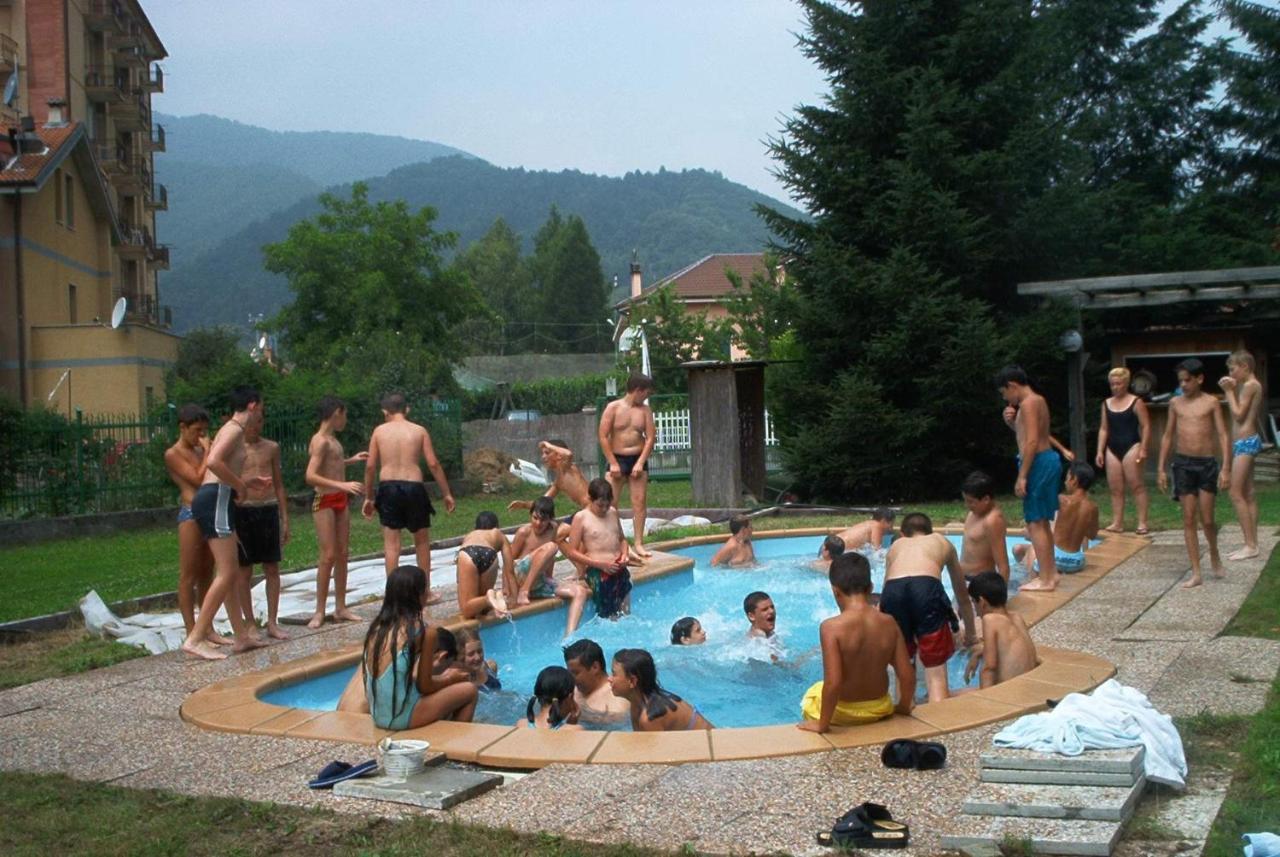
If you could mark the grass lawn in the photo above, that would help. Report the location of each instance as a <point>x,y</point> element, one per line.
<point>59,653</point>
<point>55,814</point>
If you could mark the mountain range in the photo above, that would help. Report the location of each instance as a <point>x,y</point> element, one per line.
<point>235,187</point>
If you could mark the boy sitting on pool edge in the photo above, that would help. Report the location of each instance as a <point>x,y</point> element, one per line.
<point>857,647</point>
<point>1007,650</point>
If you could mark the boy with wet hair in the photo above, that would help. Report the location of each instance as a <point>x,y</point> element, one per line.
<point>262,527</point>
<point>858,646</point>
<point>1007,650</point>
<point>1195,432</point>
<point>584,659</point>
<point>913,595</point>
<point>762,615</point>
<point>627,434</point>
<point>185,461</point>
<point>396,450</point>
<point>596,544</point>
<point>326,473</point>
<point>1039,468</point>
<point>832,547</point>
<point>983,547</point>
<point>869,532</point>
<point>1076,524</point>
<point>737,551</point>
<point>566,476</point>
<point>1244,398</point>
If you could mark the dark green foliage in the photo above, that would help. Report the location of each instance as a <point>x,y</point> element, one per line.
<point>498,272</point>
<point>568,286</point>
<point>675,336</point>
<point>552,396</point>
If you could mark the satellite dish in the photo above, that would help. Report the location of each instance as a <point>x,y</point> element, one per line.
<point>11,88</point>
<point>627,340</point>
<point>117,313</point>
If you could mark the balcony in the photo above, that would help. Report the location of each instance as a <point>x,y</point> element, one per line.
<point>135,175</point>
<point>106,85</point>
<point>126,37</point>
<point>153,80</point>
<point>114,160</point>
<point>133,113</point>
<point>143,308</point>
<point>155,142</point>
<point>8,53</point>
<point>159,257</point>
<point>157,198</point>
<point>137,244</point>
<point>105,16</point>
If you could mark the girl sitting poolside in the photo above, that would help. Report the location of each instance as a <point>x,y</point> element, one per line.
<point>478,558</point>
<point>552,705</point>
<point>399,651</point>
<point>653,709</point>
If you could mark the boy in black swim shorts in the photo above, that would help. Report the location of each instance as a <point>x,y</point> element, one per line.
<point>627,434</point>
<point>262,526</point>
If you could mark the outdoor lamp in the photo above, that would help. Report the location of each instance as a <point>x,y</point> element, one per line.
<point>1071,341</point>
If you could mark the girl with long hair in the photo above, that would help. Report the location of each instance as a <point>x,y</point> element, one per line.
<point>552,705</point>
<point>653,709</point>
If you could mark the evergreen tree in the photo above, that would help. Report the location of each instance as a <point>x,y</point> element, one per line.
<point>503,280</point>
<point>570,286</point>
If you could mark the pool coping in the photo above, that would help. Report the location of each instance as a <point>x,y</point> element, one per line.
<point>233,705</point>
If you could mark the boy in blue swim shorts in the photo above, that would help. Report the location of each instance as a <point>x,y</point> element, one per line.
<point>1244,398</point>
<point>1039,469</point>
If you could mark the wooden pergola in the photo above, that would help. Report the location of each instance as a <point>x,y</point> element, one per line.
<point>1229,285</point>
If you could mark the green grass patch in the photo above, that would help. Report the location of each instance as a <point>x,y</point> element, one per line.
<point>45,814</point>
<point>1253,801</point>
<point>59,653</point>
<point>1259,616</point>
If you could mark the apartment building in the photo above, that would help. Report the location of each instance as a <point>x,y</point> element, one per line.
<point>78,200</point>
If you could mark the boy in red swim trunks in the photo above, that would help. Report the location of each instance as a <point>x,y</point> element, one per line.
<point>326,472</point>
<point>914,597</point>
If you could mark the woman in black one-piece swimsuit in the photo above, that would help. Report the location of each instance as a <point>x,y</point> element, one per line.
<point>1123,434</point>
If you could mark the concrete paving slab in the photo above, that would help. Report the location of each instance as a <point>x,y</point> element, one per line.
<point>1092,803</point>
<point>438,787</point>
<point>1047,836</point>
<point>1126,761</point>
<point>1054,778</point>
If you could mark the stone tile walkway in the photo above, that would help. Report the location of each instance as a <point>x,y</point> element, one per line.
<point>119,725</point>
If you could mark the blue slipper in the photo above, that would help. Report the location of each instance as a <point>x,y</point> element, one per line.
<point>335,772</point>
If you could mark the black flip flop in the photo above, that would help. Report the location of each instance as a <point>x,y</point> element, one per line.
<point>867,826</point>
<point>930,756</point>
<point>899,754</point>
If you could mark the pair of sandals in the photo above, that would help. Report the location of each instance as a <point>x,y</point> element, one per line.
<point>335,772</point>
<point>920,755</point>
<point>867,826</point>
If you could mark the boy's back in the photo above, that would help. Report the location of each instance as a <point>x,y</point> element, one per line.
<point>1015,651</point>
<point>867,641</point>
<point>400,450</point>
<point>1076,523</point>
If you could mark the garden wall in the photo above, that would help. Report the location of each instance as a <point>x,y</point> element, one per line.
<point>520,439</point>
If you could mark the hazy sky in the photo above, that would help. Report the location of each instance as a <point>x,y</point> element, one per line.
<point>604,87</point>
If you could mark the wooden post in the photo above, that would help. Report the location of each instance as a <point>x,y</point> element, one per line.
<point>726,431</point>
<point>1075,402</point>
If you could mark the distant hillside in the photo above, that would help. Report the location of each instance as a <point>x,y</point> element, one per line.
<point>670,218</point>
<point>223,175</point>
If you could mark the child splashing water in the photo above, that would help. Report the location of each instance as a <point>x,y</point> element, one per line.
<point>653,709</point>
<point>552,705</point>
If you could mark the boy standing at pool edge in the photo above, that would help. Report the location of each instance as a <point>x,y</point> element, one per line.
<point>1039,469</point>
<point>186,461</point>
<point>326,472</point>
<point>858,646</point>
<point>1194,429</point>
<point>1244,397</point>
<point>262,527</point>
<point>627,434</point>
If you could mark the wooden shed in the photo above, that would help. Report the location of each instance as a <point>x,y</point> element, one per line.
<point>726,423</point>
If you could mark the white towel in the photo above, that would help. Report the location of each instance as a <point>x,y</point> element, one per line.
<point>1262,845</point>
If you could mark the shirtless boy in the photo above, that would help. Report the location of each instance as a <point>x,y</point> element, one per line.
<point>869,532</point>
<point>214,510</point>
<point>1076,524</point>
<point>326,472</point>
<point>832,547</point>
<point>1244,397</point>
<point>535,547</point>
<point>983,548</point>
<point>262,524</point>
<point>596,703</point>
<point>185,461</point>
<point>1007,650</point>
<point>761,614</point>
<point>596,544</point>
<point>567,479</point>
<point>627,434</point>
<point>914,597</point>
<point>1194,433</point>
<point>858,645</point>
<point>1039,469</point>
<point>737,551</point>
<point>396,449</point>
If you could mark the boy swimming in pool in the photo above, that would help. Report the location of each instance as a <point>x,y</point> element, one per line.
<point>869,532</point>
<point>1076,524</point>
<point>983,548</point>
<point>584,659</point>
<point>737,551</point>
<point>1007,650</point>
<point>832,547</point>
<point>597,545</point>
<point>858,646</point>
<point>1039,469</point>
<point>687,632</point>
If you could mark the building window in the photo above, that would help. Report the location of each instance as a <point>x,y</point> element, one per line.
<point>70,201</point>
<point>71,304</point>
<point>57,195</point>
<point>151,397</point>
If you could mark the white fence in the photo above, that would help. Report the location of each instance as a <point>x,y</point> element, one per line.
<point>673,431</point>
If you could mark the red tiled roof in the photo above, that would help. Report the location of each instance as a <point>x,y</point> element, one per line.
<point>27,169</point>
<point>706,277</point>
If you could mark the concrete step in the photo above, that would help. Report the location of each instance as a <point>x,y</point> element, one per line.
<point>1047,836</point>
<point>1091,803</point>
<point>1121,768</point>
<point>438,787</point>
<point>1056,778</point>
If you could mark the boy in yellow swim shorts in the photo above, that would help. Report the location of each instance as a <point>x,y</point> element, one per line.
<point>857,646</point>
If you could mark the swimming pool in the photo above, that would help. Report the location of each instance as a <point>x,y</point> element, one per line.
<point>730,678</point>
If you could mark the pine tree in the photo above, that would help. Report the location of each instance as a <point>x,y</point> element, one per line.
<point>571,292</point>
<point>503,280</point>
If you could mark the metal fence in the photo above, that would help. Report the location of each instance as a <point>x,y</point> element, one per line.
<point>51,466</point>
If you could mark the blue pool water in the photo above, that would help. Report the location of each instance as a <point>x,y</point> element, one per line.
<point>730,678</point>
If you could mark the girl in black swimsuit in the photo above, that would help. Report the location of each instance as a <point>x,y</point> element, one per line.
<point>478,569</point>
<point>1122,447</point>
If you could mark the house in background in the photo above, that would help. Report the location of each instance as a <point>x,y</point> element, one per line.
<point>78,201</point>
<point>701,287</point>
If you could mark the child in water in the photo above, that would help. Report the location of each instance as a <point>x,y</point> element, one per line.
<point>552,705</point>
<point>653,709</point>
<point>688,632</point>
<point>484,673</point>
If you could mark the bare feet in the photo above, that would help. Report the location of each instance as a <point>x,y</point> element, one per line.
<point>498,602</point>
<point>218,640</point>
<point>522,599</point>
<point>1038,585</point>
<point>1195,581</point>
<point>275,632</point>
<point>204,650</point>
<point>433,597</point>
<point>1115,528</point>
<point>342,614</point>
<point>642,552</point>
<point>316,621</point>
<point>248,644</point>
<point>1218,572</point>
<point>1142,530</point>
<point>1244,553</point>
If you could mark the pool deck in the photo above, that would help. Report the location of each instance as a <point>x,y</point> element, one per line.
<point>121,725</point>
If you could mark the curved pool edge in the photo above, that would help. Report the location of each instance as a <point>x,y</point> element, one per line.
<point>232,705</point>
